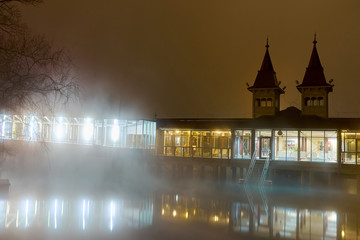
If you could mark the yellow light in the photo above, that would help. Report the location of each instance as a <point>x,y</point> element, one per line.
<point>194,211</point>
<point>342,233</point>
<point>187,215</point>
<point>174,213</point>
<point>216,218</point>
<point>242,213</point>
<point>162,212</point>
<point>177,131</point>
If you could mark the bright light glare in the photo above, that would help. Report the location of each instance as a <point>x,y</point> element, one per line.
<point>115,131</point>
<point>112,214</point>
<point>174,213</point>
<point>88,129</point>
<point>60,129</point>
<point>3,127</point>
<point>31,128</point>
<point>83,215</point>
<point>27,213</point>
<point>55,214</point>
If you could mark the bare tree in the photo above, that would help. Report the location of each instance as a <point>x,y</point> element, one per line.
<point>32,73</point>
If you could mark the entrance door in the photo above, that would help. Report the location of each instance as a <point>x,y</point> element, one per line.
<point>265,146</point>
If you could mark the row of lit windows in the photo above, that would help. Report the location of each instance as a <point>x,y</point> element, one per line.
<point>314,101</point>
<point>264,102</point>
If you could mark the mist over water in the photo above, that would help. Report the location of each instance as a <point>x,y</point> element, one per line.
<point>88,192</point>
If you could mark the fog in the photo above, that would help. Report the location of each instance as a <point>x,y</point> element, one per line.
<point>69,191</point>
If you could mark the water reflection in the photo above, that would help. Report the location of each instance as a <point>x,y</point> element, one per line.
<point>77,215</point>
<point>252,217</point>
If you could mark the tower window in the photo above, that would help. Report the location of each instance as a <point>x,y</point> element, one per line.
<point>257,102</point>
<point>315,101</point>
<point>263,102</point>
<point>269,102</point>
<point>308,102</point>
<point>321,101</point>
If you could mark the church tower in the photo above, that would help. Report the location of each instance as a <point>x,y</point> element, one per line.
<point>314,89</point>
<point>266,89</point>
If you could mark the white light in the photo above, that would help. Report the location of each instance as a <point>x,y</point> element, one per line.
<point>115,131</point>
<point>60,129</point>
<point>3,127</point>
<point>17,218</point>
<point>88,129</point>
<point>27,213</point>
<point>55,214</point>
<point>112,215</point>
<point>83,216</point>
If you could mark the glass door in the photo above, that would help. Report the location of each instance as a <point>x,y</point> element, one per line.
<point>265,146</point>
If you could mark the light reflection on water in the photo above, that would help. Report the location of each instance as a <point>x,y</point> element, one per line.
<point>75,215</point>
<point>234,217</point>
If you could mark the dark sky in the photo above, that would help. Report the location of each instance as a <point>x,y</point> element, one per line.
<point>192,58</point>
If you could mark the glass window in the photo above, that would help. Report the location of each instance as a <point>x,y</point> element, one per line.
<point>349,147</point>
<point>206,144</point>
<point>242,144</point>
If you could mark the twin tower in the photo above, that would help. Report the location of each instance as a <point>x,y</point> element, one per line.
<point>314,89</point>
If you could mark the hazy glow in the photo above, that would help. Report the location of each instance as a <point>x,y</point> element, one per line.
<point>27,213</point>
<point>115,131</point>
<point>186,215</point>
<point>88,129</point>
<point>112,215</point>
<point>60,129</point>
<point>3,127</point>
<point>31,128</point>
<point>17,218</point>
<point>174,213</point>
<point>83,215</point>
<point>55,214</point>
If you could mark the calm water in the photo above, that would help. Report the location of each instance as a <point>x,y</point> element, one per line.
<point>111,201</point>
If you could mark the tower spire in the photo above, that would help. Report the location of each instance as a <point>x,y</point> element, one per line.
<point>315,42</point>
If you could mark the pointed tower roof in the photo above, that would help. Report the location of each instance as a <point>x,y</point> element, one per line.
<point>266,77</point>
<point>314,75</point>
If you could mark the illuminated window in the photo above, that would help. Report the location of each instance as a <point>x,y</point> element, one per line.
<point>269,102</point>
<point>263,102</point>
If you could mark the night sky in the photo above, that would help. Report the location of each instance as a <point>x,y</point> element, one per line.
<point>193,58</point>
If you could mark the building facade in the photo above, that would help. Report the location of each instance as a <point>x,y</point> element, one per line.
<point>291,135</point>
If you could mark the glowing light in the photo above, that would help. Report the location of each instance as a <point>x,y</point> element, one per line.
<point>88,129</point>
<point>83,215</point>
<point>48,218</point>
<point>342,233</point>
<point>27,213</point>
<point>3,127</point>
<point>62,207</point>
<point>60,129</point>
<point>174,213</point>
<point>17,218</point>
<point>186,215</point>
<point>55,214</point>
<point>112,215</point>
<point>177,197</point>
<point>115,131</point>
<point>31,128</point>
<point>242,213</point>
<point>162,211</point>
<point>216,218</point>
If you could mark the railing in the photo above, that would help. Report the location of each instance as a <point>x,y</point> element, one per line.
<point>251,167</point>
<point>264,171</point>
